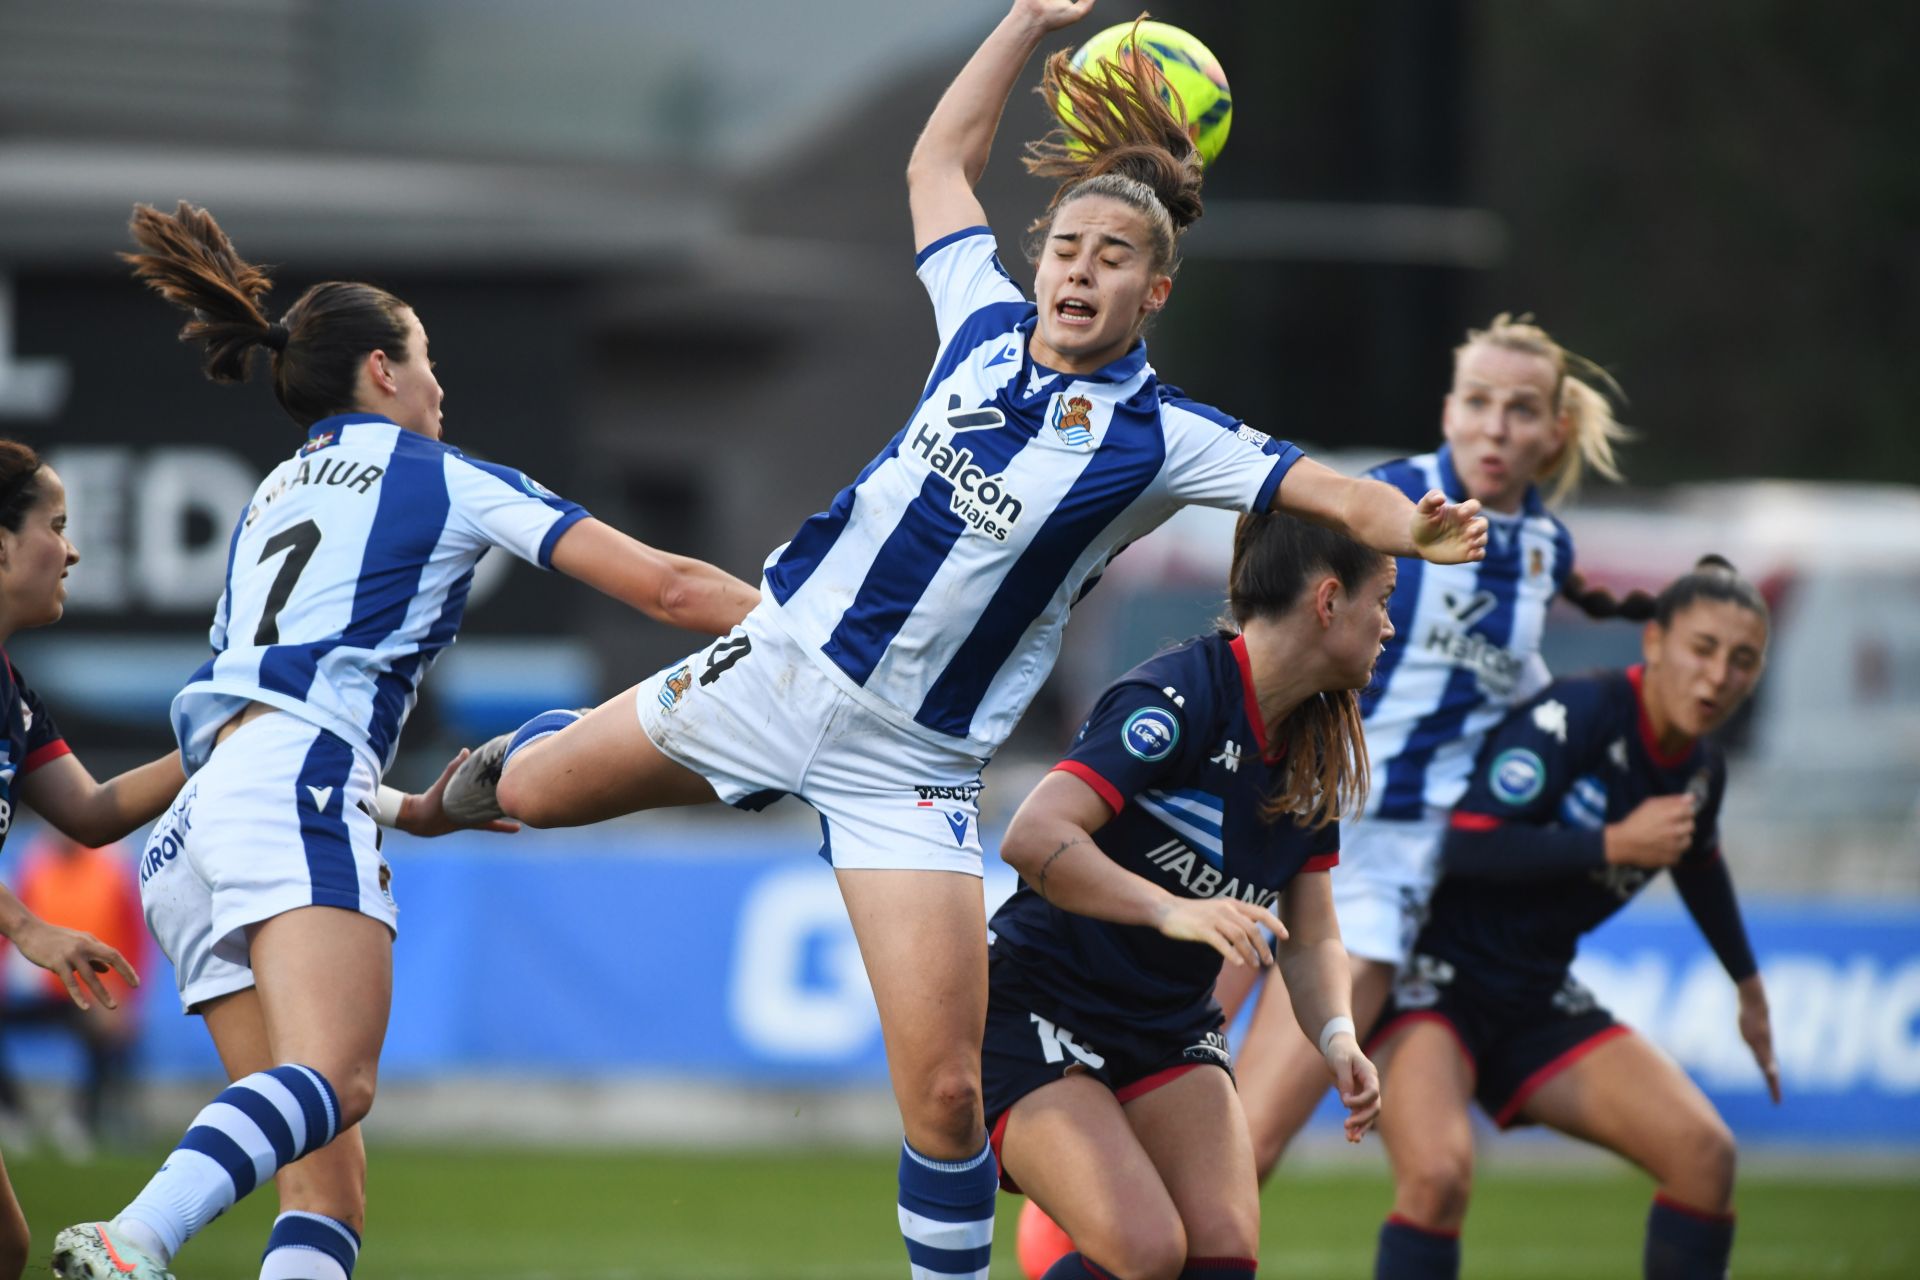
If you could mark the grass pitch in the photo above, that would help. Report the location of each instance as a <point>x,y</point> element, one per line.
<point>597,1215</point>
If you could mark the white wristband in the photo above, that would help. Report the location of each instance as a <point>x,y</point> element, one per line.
<point>386,805</point>
<point>1333,1028</point>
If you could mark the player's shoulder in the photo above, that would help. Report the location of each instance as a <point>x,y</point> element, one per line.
<point>1412,475</point>
<point>1177,406</point>
<point>1582,700</point>
<point>1196,678</point>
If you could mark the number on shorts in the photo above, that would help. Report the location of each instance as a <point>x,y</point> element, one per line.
<point>299,542</point>
<point>723,656</point>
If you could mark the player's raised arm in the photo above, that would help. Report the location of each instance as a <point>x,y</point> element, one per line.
<point>952,151</point>
<point>1379,515</point>
<point>676,589</point>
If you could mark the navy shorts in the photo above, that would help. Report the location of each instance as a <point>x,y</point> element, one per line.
<point>1033,1040</point>
<point>1513,1046</point>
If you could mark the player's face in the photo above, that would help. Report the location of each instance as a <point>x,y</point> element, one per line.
<point>34,559</point>
<point>1702,666</point>
<point>1362,627</point>
<point>1500,419</point>
<point>417,391</point>
<point>1094,284</point>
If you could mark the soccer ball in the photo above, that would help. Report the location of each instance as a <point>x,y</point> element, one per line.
<point>1191,70</point>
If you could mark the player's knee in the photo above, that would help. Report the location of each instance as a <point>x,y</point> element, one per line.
<point>1433,1189</point>
<point>353,1088</point>
<point>947,1109</point>
<point>1139,1247</point>
<point>1227,1228</point>
<point>1703,1165</point>
<point>522,800</point>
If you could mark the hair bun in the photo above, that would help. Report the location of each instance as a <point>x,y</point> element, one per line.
<point>276,336</point>
<point>1713,560</point>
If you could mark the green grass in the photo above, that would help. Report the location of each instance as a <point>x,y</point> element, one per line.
<point>663,1216</point>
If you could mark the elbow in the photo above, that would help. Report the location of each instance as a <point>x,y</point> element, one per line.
<point>1020,847</point>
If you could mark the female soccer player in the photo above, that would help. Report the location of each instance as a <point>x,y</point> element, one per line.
<point>1578,799</point>
<point>1204,790</point>
<point>903,631</point>
<point>38,768</point>
<point>1522,412</point>
<point>347,574</point>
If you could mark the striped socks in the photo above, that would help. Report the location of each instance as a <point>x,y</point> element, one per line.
<point>946,1213</point>
<point>543,725</point>
<point>310,1246</point>
<point>241,1138</point>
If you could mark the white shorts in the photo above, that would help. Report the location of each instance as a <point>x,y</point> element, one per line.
<point>755,716</point>
<point>279,818</point>
<point>1380,889</point>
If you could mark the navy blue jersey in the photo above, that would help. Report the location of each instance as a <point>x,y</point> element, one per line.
<point>1526,869</point>
<point>32,740</point>
<point>1177,749</point>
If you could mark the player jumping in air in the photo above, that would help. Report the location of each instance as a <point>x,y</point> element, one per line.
<point>347,575</point>
<point>904,629</point>
<point>1577,800</point>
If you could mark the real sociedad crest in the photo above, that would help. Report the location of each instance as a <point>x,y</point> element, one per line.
<point>1071,417</point>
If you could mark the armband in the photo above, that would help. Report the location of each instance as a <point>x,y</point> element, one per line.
<point>386,805</point>
<point>1333,1028</point>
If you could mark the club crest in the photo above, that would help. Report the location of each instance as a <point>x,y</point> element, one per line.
<point>1072,420</point>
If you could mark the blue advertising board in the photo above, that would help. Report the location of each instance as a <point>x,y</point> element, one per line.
<point>607,953</point>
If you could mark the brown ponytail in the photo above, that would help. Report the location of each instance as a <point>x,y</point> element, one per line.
<point>1275,559</point>
<point>317,347</point>
<point>1598,602</point>
<point>1122,135</point>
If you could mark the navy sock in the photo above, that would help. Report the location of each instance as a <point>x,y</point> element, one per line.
<point>309,1246</point>
<point>1072,1266</point>
<point>1220,1269</point>
<point>946,1212</point>
<point>1686,1244</point>
<point>1412,1252</point>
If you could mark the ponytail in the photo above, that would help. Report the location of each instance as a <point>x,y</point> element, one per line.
<point>1581,395</point>
<point>1122,134</point>
<point>317,347</point>
<point>1597,602</point>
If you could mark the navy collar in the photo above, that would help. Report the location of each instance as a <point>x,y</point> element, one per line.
<point>1531,504</point>
<point>1119,371</point>
<point>340,420</point>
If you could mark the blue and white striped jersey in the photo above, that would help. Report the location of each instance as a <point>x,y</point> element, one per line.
<point>934,590</point>
<point>1466,646</point>
<point>347,575</point>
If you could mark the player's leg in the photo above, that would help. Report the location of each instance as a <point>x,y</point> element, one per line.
<point>1426,1084</point>
<point>317,1234</point>
<point>591,767</point>
<point>923,938</point>
<point>1281,1073</point>
<point>15,1241</point>
<point>1626,1096</point>
<point>1193,1130</point>
<point>1071,1148</point>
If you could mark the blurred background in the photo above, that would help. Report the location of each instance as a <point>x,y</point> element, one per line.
<point>663,254</point>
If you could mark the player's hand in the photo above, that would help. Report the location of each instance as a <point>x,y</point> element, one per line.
<point>77,957</point>
<point>1234,928</point>
<point>1653,835</point>
<point>1358,1081</point>
<point>1449,532</point>
<point>1051,15</point>
<point>1756,1028</point>
<point>425,815</point>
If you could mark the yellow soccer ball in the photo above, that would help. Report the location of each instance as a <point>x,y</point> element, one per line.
<point>1191,71</point>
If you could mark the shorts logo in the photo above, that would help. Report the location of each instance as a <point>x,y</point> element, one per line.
<point>957,823</point>
<point>1213,1048</point>
<point>1150,734</point>
<point>1072,420</point>
<point>320,797</point>
<point>965,791</point>
<point>1517,776</point>
<point>676,687</point>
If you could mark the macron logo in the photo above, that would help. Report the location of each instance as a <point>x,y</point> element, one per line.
<point>320,797</point>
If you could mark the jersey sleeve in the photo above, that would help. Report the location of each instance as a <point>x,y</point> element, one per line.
<point>502,507</point>
<point>1323,849</point>
<point>1137,738</point>
<point>44,739</point>
<point>1403,474</point>
<point>1506,825</point>
<point>963,273</point>
<point>1216,460</point>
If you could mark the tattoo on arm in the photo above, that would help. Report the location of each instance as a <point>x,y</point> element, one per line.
<point>1040,880</point>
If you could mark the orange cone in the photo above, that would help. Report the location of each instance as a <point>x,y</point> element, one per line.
<point>1040,1242</point>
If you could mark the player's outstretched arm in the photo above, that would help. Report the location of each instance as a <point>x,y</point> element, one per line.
<point>952,151</point>
<point>95,813</point>
<point>1313,963</point>
<point>77,957</point>
<point>674,589</point>
<point>1050,843</point>
<point>1379,515</point>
